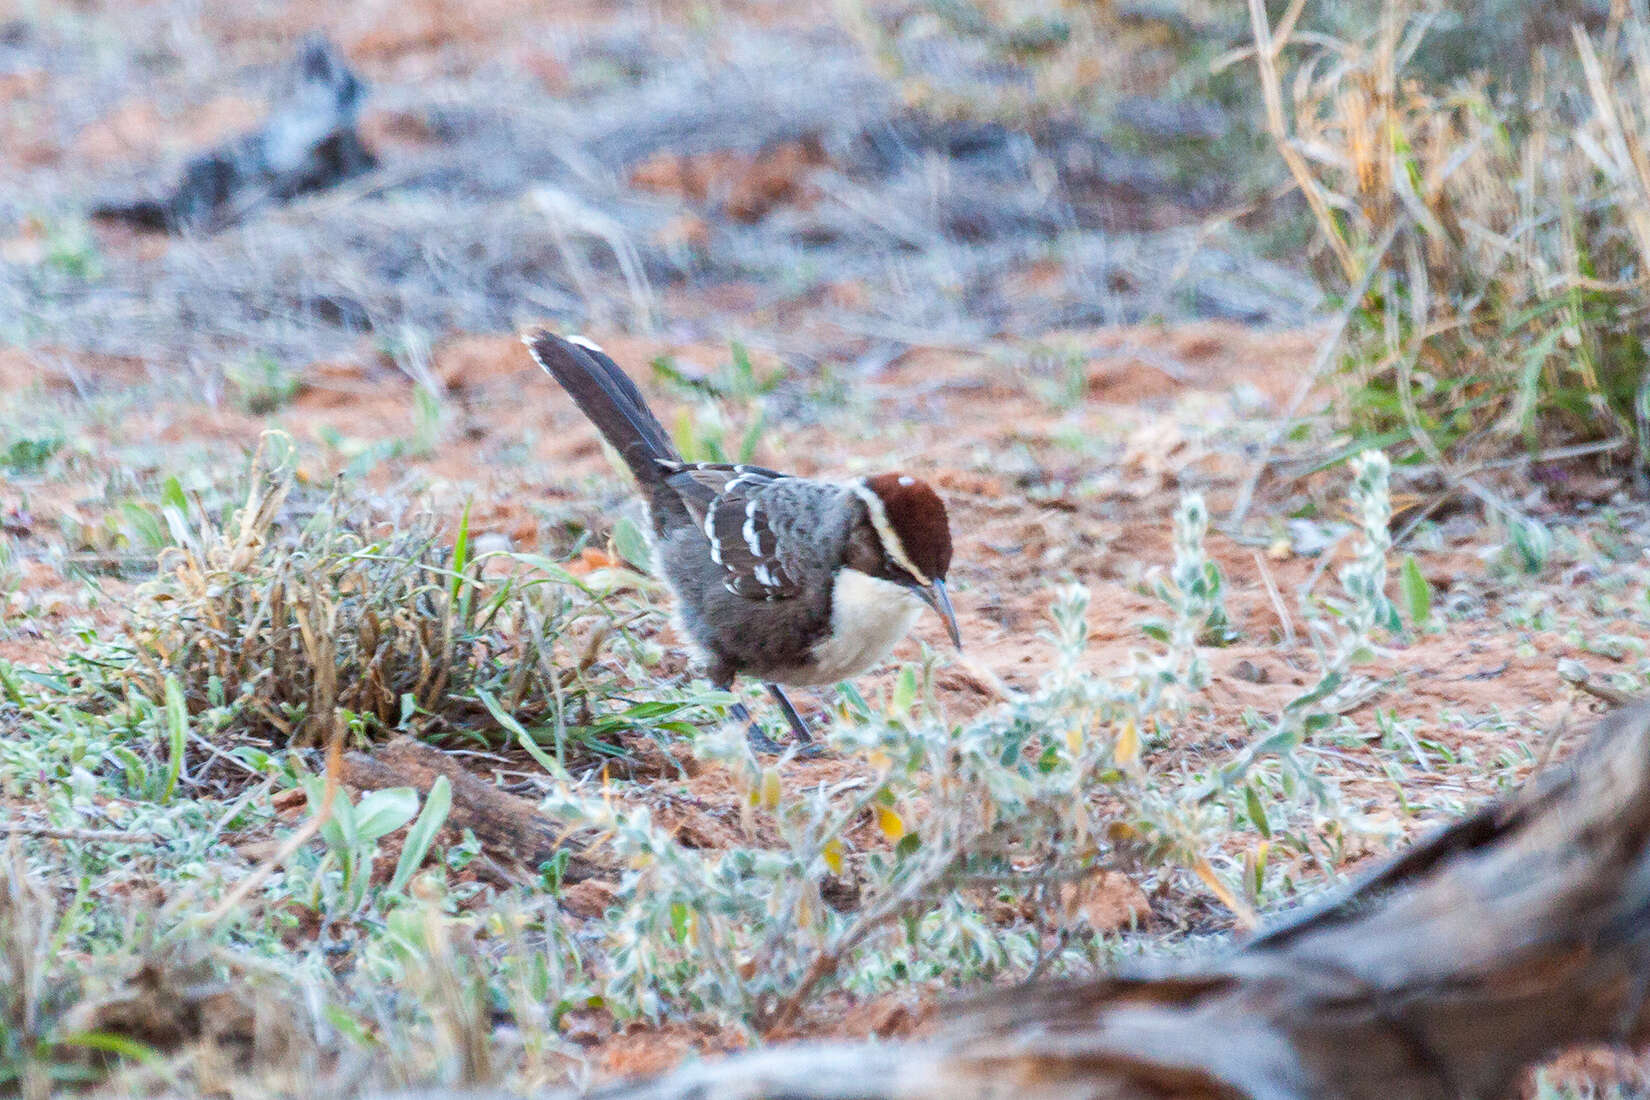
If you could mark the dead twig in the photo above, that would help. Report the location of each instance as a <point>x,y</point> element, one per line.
<point>99,836</point>
<point>1278,606</point>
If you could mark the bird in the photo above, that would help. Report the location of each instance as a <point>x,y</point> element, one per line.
<point>793,581</point>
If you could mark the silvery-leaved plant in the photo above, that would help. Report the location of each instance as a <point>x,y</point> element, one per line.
<point>970,818</point>
<point>1344,639</point>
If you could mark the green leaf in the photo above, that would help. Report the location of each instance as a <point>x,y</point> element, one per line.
<point>110,1042</point>
<point>905,691</point>
<point>171,496</point>
<point>553,870</point>
<point>1534,543</point>
<point>136,768</point>
<point>526,740</point>
<point>680,917</point>
<point>554,571</point>
<point>1317,692</point>
<point>149,531</point>
<point>354,1030</point>
<point>644,713</point>
<point>665,368</point>
<point>177,736</point>
<point>419,838</point>
<point>10,685</point>
<point>380,813</point>
<point>743,372</point>
<point>458,593</point>
<point>752,436</point>
<point>632,545</point>
<point>1416,591</point>
<point>339,831</point>
<point>1049,759</point>
<point>27,456</point>
<point>854,701</point>
<point>1257,812</point>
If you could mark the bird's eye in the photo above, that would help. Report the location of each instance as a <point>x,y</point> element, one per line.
<point>898,573</point>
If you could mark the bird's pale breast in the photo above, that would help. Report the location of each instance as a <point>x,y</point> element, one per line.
<point>868,618</point>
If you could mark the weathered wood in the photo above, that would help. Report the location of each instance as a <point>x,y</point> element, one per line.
<point>1510,935</point>
<point>511,829</point>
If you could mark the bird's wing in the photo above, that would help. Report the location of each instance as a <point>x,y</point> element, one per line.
<point>729,503</point>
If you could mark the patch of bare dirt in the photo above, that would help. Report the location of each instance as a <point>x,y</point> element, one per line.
<point>744,186</point>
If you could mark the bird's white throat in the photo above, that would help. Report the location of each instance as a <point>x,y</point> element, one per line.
<point>868,618</point>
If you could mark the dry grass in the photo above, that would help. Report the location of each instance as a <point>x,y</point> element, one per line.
<point>1508,237</point>
<point>278,626</point>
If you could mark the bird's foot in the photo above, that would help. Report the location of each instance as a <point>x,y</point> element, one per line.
<point>804,747</point>
<point>761,743</point>
<point>807,747</point>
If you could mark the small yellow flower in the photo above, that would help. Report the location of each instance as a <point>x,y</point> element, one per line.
<point>1128,745</point>
<point>891,823</point>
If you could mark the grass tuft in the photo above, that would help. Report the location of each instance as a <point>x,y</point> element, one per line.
<point>1502,237</point>
<point>271,626</point>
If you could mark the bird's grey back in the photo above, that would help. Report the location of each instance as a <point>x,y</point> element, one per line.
<point>811,522</point>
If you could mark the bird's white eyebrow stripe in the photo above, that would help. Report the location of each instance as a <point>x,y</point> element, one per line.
<point>891,543</point>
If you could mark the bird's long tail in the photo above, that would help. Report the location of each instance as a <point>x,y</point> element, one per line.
<point>609,398</point>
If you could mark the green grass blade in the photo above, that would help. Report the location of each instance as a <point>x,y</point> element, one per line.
<point>458,592</point>
<point>437,805</point>
<point>508,721</point>
<point>1417,593</point>
<point>177,735</point>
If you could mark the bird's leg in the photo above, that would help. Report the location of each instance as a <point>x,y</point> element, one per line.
<point>759,741</point>
<point>798,726</point>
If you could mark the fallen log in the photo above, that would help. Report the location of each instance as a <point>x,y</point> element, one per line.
<point>510,829</point>
<point>308,142</point>
<point>1519,931</point>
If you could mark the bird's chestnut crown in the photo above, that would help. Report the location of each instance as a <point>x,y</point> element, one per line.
<point>911,522</point>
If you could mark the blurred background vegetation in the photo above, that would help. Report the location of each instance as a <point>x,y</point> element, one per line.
<point>1470,182</point>
<point>1467,181</point>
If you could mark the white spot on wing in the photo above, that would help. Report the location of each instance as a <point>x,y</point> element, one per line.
<point>749,530</point>
<point>584,342</point>
<point>906,479</point>
<point>710,533</point>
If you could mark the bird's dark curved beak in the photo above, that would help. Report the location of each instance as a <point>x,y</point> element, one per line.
<point>934,595</point>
